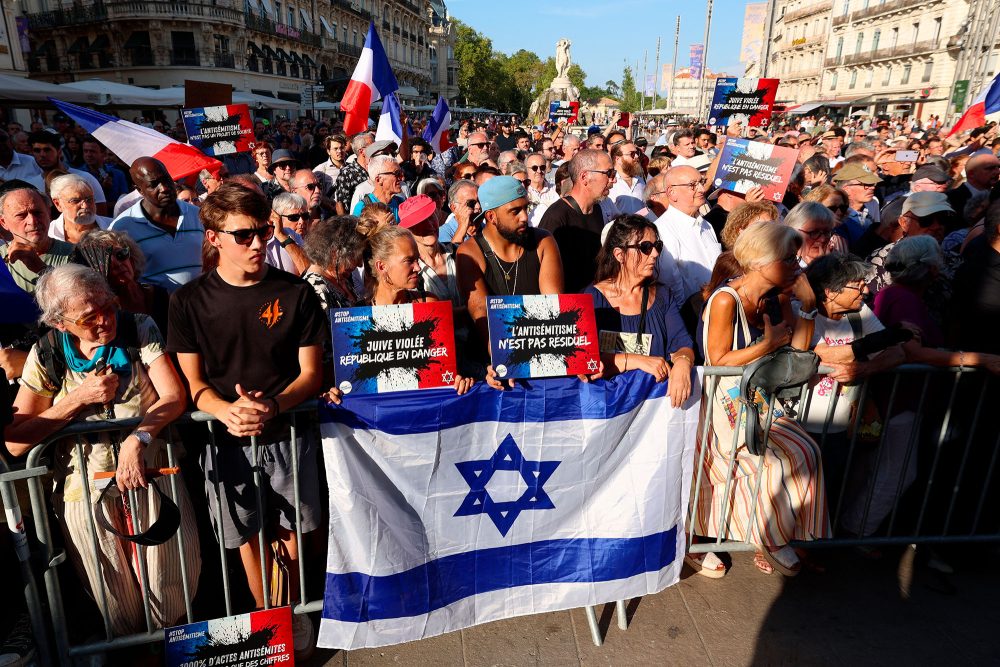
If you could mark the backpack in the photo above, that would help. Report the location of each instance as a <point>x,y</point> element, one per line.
<point>49,349</point>
<point>778,376</point>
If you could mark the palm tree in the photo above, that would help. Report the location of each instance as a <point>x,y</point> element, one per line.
<point>613,88</point>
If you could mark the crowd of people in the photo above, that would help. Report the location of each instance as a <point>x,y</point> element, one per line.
<point>158,297</point>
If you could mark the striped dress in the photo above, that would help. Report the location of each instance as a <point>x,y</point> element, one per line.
<point>792,498</point>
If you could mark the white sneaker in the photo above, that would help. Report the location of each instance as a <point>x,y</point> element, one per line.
<point>303,636</point>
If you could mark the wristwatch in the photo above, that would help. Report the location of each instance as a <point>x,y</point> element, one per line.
<point>287,242</point>
<point>144,438</point>
<point>811,315</point>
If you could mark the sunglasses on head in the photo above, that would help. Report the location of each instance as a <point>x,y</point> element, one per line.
<point>245,236</point>
<point>646,247</point>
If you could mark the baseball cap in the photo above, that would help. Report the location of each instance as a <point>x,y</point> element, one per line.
<point>931,173</point>
<point>856,172</point>
<point>380,147</point>
<point>829,134</point>
<point>415,210</point>
<point>922,204</point>
<point>498,191</point>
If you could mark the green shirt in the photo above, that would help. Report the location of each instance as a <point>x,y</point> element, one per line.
<point>58,254</point>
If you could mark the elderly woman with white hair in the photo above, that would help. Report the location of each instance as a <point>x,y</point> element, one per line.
<point>386,178</point>
<point>74,199</point>
<point>746,318</point>
<point>815,224</point>
<point>290,217</point>
<point>98,358</point>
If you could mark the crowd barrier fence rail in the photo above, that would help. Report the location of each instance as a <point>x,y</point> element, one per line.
<point>948,467</point>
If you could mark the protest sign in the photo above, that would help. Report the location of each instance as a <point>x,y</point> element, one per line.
<point>563,110</point>
<point>543,335</point>
<point>220,130</point>
<point>746,164</point>
<point>746,101</point>
<point>378,349</point>
<point>247,640</point>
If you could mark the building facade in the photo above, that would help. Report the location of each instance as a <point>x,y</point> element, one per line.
<point>270,47</point>
<point>444,66</point>
<point>798,44</point>
<point>893,56</point>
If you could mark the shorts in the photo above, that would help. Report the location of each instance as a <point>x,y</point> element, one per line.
<point>234,482</point>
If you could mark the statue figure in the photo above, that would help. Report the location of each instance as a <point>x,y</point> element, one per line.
<point>562,58</point>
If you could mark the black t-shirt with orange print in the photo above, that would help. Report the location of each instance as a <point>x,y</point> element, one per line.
<point>247,335</point>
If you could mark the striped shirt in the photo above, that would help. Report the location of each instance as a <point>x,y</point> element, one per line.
<point>171,259</point>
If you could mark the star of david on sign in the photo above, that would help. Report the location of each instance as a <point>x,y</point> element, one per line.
<point>447,377</point>
<point>592,366</point>
<point>508,456</point>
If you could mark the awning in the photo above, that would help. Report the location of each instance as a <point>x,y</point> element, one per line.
<point>308,60</point>
<point>408,91</point>
<point>266,4</point>
<point>909,100</point>
<point>295,58</point>
<point>853,101</point>
<point>101,42</point>
<point>805,108</point>
<point>81,45</point>
<point>283,55</point>
<point>326,26</point>
<point>254,49</point>
<point>306,20</point>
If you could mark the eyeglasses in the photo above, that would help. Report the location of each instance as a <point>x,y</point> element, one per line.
<point>817,234</point>
<point>295,217</point>
<point>693,184</point>
<point>610,173</point>
<point>646,247</point>
<point>245,236</point>
<point>855,287</point>
<point>537,167</point>
<point>308,186</point>
<point>76,201</point>
<point>472,204</point>
<point>838,208</point>
<point>101,314</point>
<point>866,186</point>
<point>479,145</point>
<point>397,173</point>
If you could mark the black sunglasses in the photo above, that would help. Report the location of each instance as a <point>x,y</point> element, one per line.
<point>295,217</point>
<point>839,208</point>
<point>478,145</point>
<point>245,236</point>
<point>646,247</point>
<point>310,186</point>
<point>526,182</point>
<point>537,167</point>
<point>610,173</point>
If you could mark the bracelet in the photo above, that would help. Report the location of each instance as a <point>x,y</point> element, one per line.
<point>808,315</point>
<point>287,242</point>
<point>277,407</point>
<point>683,356</point>
<point>626,362</point>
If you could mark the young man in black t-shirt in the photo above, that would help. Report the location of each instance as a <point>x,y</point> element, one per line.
<point>248,339</point>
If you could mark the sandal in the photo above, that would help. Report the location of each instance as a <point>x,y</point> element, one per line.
<point>784,560</point>
<point>706,564</point>
<point>761,563</point>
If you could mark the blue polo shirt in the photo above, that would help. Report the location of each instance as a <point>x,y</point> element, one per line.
<point>171,260</point>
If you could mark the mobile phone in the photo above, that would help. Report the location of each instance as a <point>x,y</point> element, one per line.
<point>624,120</point>
<point>906,156</point>
<point>772,307</point>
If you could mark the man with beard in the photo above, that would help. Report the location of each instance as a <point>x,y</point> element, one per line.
<point>541,194</point>
<point>576,220</point>
<point>168,231</point>
<point>509,256</point>
<point>628,191</point>
<point>73,198</point>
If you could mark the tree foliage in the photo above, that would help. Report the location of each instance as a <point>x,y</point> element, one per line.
<point>629,95</point>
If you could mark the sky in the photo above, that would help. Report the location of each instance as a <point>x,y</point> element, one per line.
<point>606,33</point>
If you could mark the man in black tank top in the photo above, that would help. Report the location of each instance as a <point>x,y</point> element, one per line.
<point>509,257</point>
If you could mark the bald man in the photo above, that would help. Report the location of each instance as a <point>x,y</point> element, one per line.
<point>982,172</point>
<point>168,230</point>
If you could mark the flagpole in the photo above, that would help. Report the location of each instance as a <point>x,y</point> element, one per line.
<point>645,68</point>
<point>656,72</point>
<point>673,70</point>
<point>704,57</point>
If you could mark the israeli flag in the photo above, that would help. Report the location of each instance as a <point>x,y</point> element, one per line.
<point>448,511</point>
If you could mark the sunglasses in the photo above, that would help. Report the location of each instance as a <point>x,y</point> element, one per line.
<point>610,173</point>
<point>245,236</point>
<point>537,167</point>
<point>295,217</point>
<point>310,186</point>
<point>472,204</point>
<point>525,182</point>
<point>817,234</point>
<point>838,208</point>
<point>102,314</point>
<point>121,254</point>
<point>479,145</point>
<point>397,173</point>
<point>646,247</point>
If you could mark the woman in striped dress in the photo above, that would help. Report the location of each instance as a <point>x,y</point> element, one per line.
<point>736,331</point>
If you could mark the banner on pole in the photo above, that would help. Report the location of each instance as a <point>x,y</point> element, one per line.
<point>380,349</point>
<point>449,511</point>
<point>650,88</point>
<point>665,76</point>
<point>746,101</point>
<point>544,335</point>
<point>697,60</point>
<point>220,130</point>
<point>746,164</point>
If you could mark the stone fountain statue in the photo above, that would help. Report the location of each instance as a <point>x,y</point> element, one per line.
<point>561,87</point>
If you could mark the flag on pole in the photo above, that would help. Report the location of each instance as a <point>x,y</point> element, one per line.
<point>390,126</point>
<point>448,511</point>
<point>372,80</point>
<point>130,142</point>
<point>436,132</point>
<point>986,103</point>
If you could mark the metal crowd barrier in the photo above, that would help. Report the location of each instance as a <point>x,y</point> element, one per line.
<point>49,619</point>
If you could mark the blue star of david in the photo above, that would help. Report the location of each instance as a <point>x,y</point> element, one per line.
<point>508,456</point>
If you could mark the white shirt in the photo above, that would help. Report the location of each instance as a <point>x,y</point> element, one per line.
<point>25,168</point>
<point>628,199</point>
<point>539,202</point>
<point>278,257</point>
<point>681,161</point>
<point>57,228</point>
<point>327,174</point>
<point>690,249</point>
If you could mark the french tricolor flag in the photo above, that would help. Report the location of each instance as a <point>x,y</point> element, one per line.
<point>436,133</point>
<point>372,80</point>
<point>130,142</point>
<point>390,126</point>
<point>986,103</point>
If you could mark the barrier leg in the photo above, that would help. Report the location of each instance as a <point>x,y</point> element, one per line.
<point>595,630</point>
<point>622,614</point>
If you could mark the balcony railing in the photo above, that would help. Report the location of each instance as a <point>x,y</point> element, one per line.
<point>802,42</point>
<point>349,49</point>
<point>878,10</point>
<point>898,51</point>
<point>101,12</point>
<point>186,57</point>
<point>808,10</point>
<point>269,27</point>
<point>840,19</point>
<point>833,61</point>
<point>802,74</point>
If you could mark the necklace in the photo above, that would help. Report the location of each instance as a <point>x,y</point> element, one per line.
<point>511,287</point>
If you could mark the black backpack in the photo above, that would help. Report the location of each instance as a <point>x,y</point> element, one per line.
<point>50,355</point>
